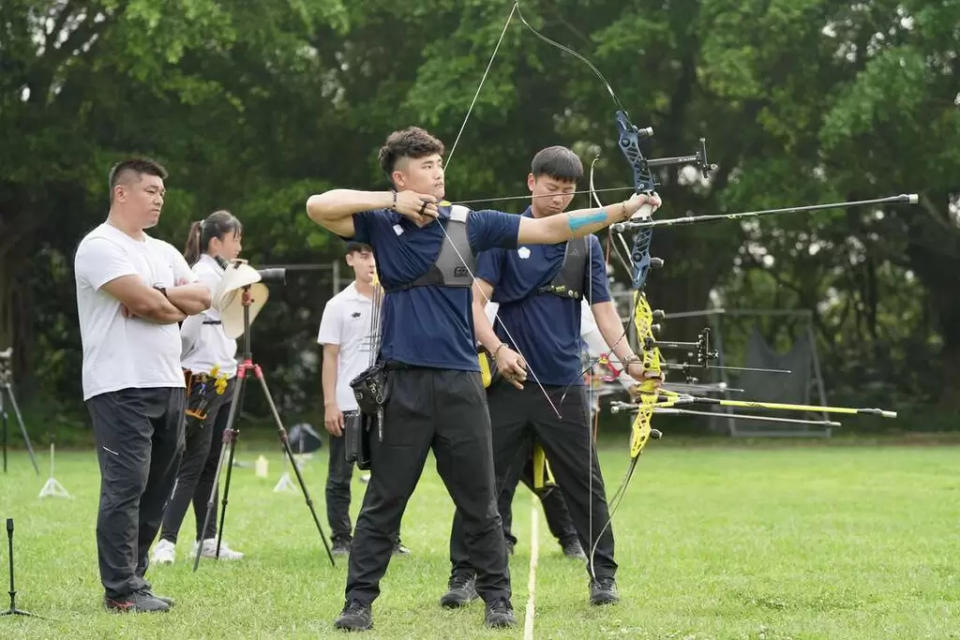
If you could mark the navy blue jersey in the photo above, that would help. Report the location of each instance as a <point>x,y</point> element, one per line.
<point>545,328</point>
<point>428,326</point>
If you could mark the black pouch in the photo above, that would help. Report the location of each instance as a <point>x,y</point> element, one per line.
<point>370,388</point>
<point>356,436</point>
<point>201,395</point>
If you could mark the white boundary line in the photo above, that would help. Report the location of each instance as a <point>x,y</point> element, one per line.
<point>532,577</point>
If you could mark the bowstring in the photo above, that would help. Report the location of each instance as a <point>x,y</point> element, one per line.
<point>483,79</point>
<point>486,300</point>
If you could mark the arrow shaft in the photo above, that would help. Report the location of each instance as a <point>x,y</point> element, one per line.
<point>530,196</point>
<point>718,217</point>
<point>781,406</point>
<point>686,367</point>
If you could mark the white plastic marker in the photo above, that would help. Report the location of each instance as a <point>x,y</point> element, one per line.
<point>532,578</point>
<point>52,488</point>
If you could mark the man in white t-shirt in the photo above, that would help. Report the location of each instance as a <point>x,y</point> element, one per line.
<point>347,340</point>
<point>132,290</point>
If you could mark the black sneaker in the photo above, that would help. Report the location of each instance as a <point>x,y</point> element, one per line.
<point>355,616</point>
<point>137,602</point>
<point>341,546</point>
<point>461,591</point>
<point>499,614</point>
<point>399,549</point>
<point>572,549</point>
<point>164,599</point>
<point>604,591</point>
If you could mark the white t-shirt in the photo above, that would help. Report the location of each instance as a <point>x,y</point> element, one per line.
<point>346,323</point>
<point>119,352</point>
<point>206,346</point>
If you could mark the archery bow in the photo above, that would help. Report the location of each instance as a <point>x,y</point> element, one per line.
<point>640,262</point>
<point>651,398</point>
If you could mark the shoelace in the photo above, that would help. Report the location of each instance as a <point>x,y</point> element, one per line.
<point>501,606</point>
<point>355,606</point>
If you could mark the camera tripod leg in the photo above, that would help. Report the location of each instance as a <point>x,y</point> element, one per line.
<point>3,417</point>
<point>226,488</point>
<point>229,440</point>
<point>13,611</point>
<point>282,433</point>
<point>23,428</point>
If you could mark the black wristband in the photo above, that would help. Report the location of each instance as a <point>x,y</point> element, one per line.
<point>162,289</point>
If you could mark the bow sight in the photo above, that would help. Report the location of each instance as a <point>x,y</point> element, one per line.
<point>643,179</point>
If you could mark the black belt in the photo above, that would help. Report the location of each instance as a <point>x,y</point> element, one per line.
<point>395,365</point>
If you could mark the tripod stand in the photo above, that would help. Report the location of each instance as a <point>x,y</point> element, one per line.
<point>246,367</point>
<point>13,611</point>
<point>6,385</point>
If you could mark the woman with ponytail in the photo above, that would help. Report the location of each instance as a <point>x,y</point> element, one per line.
<point>210,366</point>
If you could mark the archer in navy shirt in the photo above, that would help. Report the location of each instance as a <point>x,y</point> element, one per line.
<point>428,326</point>
<point>544,327</point>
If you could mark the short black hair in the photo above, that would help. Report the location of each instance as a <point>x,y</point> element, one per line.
<point>357,246</point>
<point>557,162</point>
<point>139,166</point>
<point>412,142</point>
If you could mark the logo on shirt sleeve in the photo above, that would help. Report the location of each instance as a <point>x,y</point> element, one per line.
<point>523,252</point>
<point>355,314</point>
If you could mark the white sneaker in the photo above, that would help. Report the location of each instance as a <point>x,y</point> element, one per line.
<point>164,552</point>
<point>209,550</point>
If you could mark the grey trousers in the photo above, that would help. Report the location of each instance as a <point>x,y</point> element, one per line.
<point>139,437</point>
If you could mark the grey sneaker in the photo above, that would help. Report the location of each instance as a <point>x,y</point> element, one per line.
<point>341,546</point>
<point>572,549</point>
<point>499,614</point>
<point>137,602</point>
<point>461,591</point>
<point>604,591</point>
<point>355,616</point>
<point>164,599</point>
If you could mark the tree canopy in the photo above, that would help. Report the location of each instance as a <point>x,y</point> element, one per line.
<point>254,106</point>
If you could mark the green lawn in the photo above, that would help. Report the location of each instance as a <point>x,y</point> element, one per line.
<point>720,542</point>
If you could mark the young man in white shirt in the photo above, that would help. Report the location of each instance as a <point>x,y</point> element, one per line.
<point>347,341</point>
<point>132,290</point>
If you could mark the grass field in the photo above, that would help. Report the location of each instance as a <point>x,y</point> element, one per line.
<point>713,542</point>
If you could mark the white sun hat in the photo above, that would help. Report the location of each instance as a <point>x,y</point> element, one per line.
<point>228,299</point>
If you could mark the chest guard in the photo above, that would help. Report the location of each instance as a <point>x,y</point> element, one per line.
<point>568,283</point>
<point>448,269</point>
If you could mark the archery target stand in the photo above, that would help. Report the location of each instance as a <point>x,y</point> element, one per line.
<point>52,488</point>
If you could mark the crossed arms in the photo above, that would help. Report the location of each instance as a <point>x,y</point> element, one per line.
<point>150,304</point>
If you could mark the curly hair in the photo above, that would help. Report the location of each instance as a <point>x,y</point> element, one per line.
<point>412,142</point>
